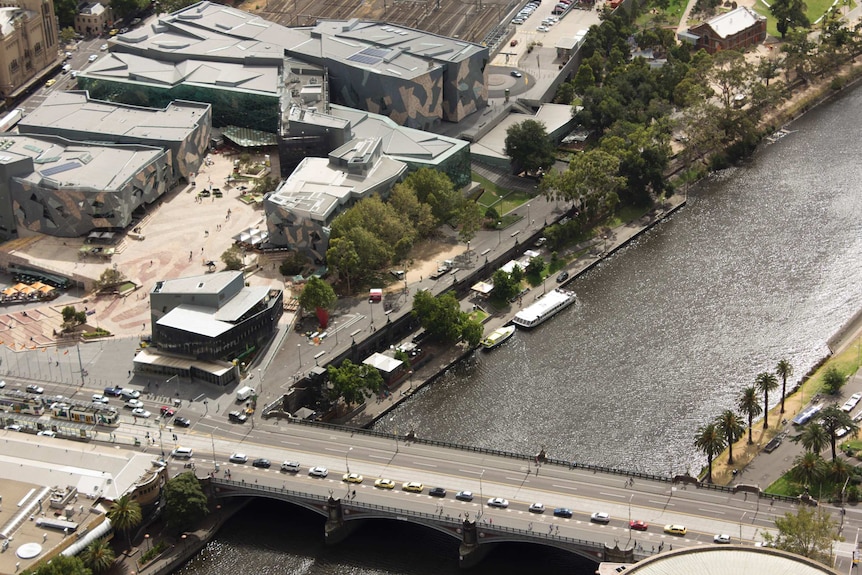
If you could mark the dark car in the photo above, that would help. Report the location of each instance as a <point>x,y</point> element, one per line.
<point>464,496</point>
<point>563,512</point>
<point>437,492</point>
<point>182,421</point>
<point>264,463</point>
<point>237,417</point>
<point>562,277</point>
<point>113,391</point>
<point>35,389</point>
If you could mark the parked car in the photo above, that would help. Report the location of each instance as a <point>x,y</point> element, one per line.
<point>47,433</point>
<point>238,458</point>
<point>384,484</point>
<point>35,389</point>
<point>437,492</point>
<point>318,472</point>
<point>542,28</point>
<point>498,502</point>
<point>182,421</point>
<point>600,517</point>
<point>851,402</point>
<point>563,512</point>
<point>464,496</point>
<point>262,463</point>
<point>562,277</point>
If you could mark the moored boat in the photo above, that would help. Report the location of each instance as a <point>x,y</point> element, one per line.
<point>498,336</point>
<point>545,307</point>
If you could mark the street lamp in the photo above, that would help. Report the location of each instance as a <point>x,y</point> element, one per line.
<point>346,461</point>
<point>260,379</point>
<point>177,377</point>
<point>482,497</point>
<point>630,515</point>
<point>299,351</point>
<point>528,215</point>
<point>740,526</point>
<point>147,539</point>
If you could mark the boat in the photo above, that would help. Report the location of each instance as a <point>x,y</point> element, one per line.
<point>498,336</point>
<point>545,307</point>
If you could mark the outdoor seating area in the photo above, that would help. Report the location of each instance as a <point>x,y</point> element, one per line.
<point>23,293</point>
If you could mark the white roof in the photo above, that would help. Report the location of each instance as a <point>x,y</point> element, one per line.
<point>383,363</point>
<point>195,319</point>
<point>546,302</point>
<point>734,21</point>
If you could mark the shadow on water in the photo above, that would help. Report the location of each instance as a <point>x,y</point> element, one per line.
<point>275,538</point>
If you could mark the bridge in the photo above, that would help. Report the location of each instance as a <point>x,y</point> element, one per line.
<point>476,537</point>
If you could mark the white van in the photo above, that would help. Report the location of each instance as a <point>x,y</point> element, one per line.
<point>182,453</point>
<point>290,466</point>
<point>244,393</point>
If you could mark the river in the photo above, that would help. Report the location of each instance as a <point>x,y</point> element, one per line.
<point>762,264</point>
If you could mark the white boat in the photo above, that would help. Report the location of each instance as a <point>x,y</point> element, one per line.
<point>498,336</point>
<point>546,306</point>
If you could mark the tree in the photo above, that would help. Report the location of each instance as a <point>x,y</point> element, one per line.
<point>765,382</point>
<point>783,370</point>
<point>592,182</point>
<point>729,425</point>
<point>833,380</point>
<point>808,532</point>
<point>61,565</point>
<point>342,256</point>
<point>808,468</point>
<point>110,277</point>
<point>72,317</point>
<point>505,286</point>
<point>353,383</point>
<point>470,220</point>
<point>528,146</point>
<point>789,14</point>
<point>232,258</point>
<point>405,201</point>
<point>536,267</point>
<point>435,189</point>
<point>68,33</point>
<point>123,8</point>
<point>834,420</point>
<point>812,437</point>
<point>471,332</point>
<point>98,556</point>
<point>170,6</point>
<point>584,79</point>
<point>125,515</point>
<point>710,442</point>
<point>319,296</point>
<point>440,316</point>
<point>65,10</point>
<point>185,501</point>
<point>749,404</point>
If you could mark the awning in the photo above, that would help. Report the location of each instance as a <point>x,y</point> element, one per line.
<point>483,288</point>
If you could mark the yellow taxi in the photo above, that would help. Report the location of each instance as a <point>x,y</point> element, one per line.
<point>384,484</point>
<point>352,478</point>
<point>412,486</point>
<point>50,82</point>
<point>675,529</point>
<point>113,32</point>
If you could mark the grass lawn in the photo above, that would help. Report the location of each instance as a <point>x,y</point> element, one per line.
<point>501,199</point>
<point>670,15</point>
<point>479,315</point>
<point>814,10</point>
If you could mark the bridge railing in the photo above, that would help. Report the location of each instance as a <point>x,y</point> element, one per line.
<point>438,518</point>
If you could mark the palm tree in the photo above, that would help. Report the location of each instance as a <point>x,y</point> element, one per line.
<point>838,470</point>
<point>807,468</point>
<point>710,442</point>
<point>98,556</point>
<point>729,425</point>
<point>813,438</point>
<point>749,404</point>
<point>783,370</point>
<point>765,383</point>
<point>125,514</point>
<point>834,419</point>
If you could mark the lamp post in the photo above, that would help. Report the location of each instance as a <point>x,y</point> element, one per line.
<point>499,231</point>
<point>177,377</point>
<point>482,497</point>
<point>630,515</point>
<point>260,379</point>
<point>528,215</point>
<point>147,539</point>
<point>299,351</point>
<point>740,526</point>
<point>215,463</point>
<point>346,460</point>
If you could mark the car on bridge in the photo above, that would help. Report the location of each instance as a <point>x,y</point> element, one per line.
<point>262,463</point>
<point>721,538</point>
<point>318,471</point>
<point>563,512</point>
<point>290,466</point>
<point>638,525</point>
<point>437,492</point>
<point>384,484</point>
<point>675,529</point>
<point>537,508</point>
<point>498,502</point>
<point>412,487</point>
<point>464,496</point>
<point>600,517</point>
<point>238,458</point>
<point>352,478</point>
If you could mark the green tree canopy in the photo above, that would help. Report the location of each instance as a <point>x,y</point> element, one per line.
<point>833,380</point>
<point>470,221</point>
<point>434,188</point>
<point>505,286</point>
<point>353,383</point>
<point>61,565</point>
<point>789,14</point>
<point>710,442</point>
<point>528,146</point>
<point>765,382</point>
<point>185,501</point>
<point>232,258</point>
<point>749,404</point>
<point>317,294</point>
<point>809,532</point>
<point>729,425</point>
<point>110,277</point>
<point>813,437</point>
<point>342,256</point>
<point>440,316</point>
<point>98,556</point>
<point>405,201</point>
<point>834,420</point>
<point>125,515</point>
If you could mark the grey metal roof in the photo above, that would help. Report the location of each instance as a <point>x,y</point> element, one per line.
<point>76,111</point>
<point>241,303</point>
<point>195,319</point>
<point>201,284</point>
<point>76,165</point>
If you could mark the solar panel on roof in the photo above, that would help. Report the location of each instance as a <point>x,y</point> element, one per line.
<point>377,52</point>
<point>60,168</point>
<point>364,59</point>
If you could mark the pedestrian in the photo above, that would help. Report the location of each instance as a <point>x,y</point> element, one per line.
<point>130,373</point>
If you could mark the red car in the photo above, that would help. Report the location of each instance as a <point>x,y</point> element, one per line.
<point>167,411</point>
<point>513,43</point>
<point>639,525</point>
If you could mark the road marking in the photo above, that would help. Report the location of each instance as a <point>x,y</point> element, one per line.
<point>564,487</point>
<point>384,458</point>
<point>517,479</point>
<point>333,449</point>
<point>620,495</point>
<point>661,503</point>
<point>290,443</point>
<point>469,471</point>
<point>711,511</point>
<point>425,464</point>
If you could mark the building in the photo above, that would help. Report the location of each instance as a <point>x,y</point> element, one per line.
<point>205,326</point>
<point>182,128</point>
<point>733,30</point>
<point>300,211</point>
<point>246,67</point>
<point>94,19</point>
<point>29,44</point>
<point>63,188</point>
